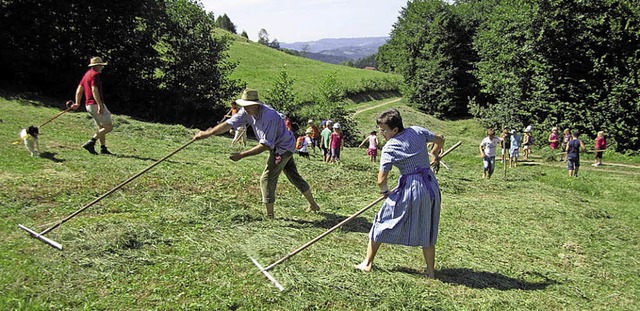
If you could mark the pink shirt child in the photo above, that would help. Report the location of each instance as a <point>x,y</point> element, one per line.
<point>336,140</point>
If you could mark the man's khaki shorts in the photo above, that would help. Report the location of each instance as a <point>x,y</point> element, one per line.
<point>100,119</point>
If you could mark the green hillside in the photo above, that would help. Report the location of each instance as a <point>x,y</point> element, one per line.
<point>259,66</point>
<point>180,236</point>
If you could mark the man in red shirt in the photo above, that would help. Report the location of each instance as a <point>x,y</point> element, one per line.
<point>91,87</point>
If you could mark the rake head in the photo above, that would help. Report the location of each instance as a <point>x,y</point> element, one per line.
<point>267,274</point>
<point>41,237</point>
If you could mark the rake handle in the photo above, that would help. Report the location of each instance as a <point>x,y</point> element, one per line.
<point>98,199</point>
<point>59,114</point>
<point>342,223</point>
<point>301,248</point>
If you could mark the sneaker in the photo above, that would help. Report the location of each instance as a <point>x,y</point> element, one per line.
<point>104,150</point>
<point>90,146</point>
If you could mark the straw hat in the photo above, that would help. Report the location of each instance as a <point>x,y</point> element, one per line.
<point>249,97</point>
<point>96,61</point>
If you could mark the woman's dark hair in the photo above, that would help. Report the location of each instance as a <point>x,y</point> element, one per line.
<point>392,119</point>
<point>373,133</point>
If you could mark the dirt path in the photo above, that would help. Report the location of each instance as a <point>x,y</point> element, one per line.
<point>376,106</point>
<point>590,168</point>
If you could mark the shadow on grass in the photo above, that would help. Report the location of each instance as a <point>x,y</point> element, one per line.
<point>528,163</point>
<point>483,279</point>
<point>51,156</point>
<point>358,224</point>
<point>126,156</point>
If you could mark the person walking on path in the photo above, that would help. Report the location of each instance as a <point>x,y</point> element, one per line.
<point>488,148</point>
<point>514,151</point>
<point>272,136</point>
<point>600,146</point>
<point>372,150</point>
<point>91,87</point>
<point>336,143</point>
<point>410,215</point>
<point>325,136</point>
<point>574,147</point>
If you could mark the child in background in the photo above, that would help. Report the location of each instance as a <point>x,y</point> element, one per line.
<point>565,140</point>
<point>554,139</point>
<point>506,143</point>
<point>335,142</point>
<point>488,152</point>
<point>573,154</point>
<point>514,151</point>
<point>315,134</point>
<point>303,142</point>
<point>527,141</point>
<point>601,145</point>
<point>325,135</point>
<point>372,151</point>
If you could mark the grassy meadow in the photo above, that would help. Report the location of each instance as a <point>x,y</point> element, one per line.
<point>259,66</point>
<point>180,236</point>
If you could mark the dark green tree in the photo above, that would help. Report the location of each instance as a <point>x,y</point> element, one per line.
<point>281,95</point>
<point>225,23</point>
<point>161,54</point>
<point>429,46</point>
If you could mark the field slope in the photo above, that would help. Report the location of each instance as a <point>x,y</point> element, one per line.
<point>180,236</point>
<point>259,66</point>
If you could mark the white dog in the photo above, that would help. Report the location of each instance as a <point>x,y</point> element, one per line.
<point>30,138</point>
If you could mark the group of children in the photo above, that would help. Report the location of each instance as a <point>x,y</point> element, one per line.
<point>330,141</point>
<point>510,141</point>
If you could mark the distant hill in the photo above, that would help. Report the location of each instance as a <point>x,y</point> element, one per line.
<point>338,50</point>
<point>259,66</point>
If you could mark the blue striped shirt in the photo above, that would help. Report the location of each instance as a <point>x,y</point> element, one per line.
<point>407,150</point>
<point>268,127</point>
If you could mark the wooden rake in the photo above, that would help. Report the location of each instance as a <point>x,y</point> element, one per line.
<point>40,236</point>
<point>265,270</point>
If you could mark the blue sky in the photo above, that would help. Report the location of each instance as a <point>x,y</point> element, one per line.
<point>308,20</point>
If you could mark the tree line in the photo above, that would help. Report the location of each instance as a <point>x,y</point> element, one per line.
<point>165,64</point>
<point>566,63</point>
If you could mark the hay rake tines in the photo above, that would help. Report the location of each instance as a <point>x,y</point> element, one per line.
<point>265,270</point>
<point>40,236</point>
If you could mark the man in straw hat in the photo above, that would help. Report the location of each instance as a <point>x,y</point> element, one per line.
<point>272,135</point>
<point>91,87</point>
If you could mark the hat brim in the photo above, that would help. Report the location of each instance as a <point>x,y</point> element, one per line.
<point>97,64</point>
<point>245,103</point>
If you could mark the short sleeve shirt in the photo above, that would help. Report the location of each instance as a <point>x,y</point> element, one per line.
<point>268,127</point>
<point>490,146</point>
<point>407,150</point>
<point>90,79</point>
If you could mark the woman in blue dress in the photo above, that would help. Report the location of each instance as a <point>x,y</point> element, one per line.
<point>410,214</point>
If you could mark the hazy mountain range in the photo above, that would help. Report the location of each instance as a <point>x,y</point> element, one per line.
<point>337,50</point>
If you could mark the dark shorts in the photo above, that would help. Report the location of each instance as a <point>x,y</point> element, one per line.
<point>335,153</point>
<point>599,155</point>
<point>573,163</point>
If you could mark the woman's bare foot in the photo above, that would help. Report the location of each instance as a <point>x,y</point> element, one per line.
<point>364,267</point>
<point>430,274</point>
